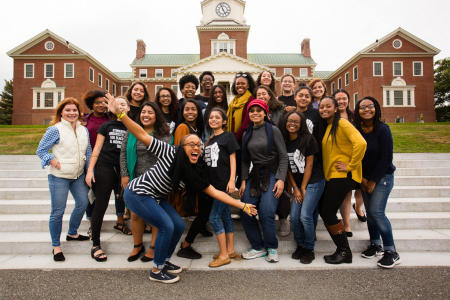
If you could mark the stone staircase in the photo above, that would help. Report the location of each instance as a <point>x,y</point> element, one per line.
<point>418,208</point>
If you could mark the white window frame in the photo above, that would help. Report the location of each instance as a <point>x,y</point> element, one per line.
<point>339,83</point>
<point>157,87</point>
<point>355,99</point>
<point>333,87</point>
<point>124,89</point>
<point>274,71</point>
<point>41,92</point>
<point>65,70</point>
<point>174,87</point>
<point>216,46</point>
<point>45,70</point>
<point>100,80</point>
<point>347,78</point>
<point>114,89</point>
<point>142,73</point>
<point>172,73</point>
<point>159,71</point>
<point>414,69</point>
<point>373,69</point>
<point>357,74</point>
<point>393,68</point>
<point>392,90</point>
<point>92,79</point>
<point>107,84</point>
<point>304,71</point>
<point>287,71</point>
<point>25,70</point>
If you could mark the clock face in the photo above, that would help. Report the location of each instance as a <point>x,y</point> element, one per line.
<point>223,9</point>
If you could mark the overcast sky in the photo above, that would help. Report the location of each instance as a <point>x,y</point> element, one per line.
<point>108,29</point>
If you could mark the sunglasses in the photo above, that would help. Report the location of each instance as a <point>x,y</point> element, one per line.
<point>241,75</point>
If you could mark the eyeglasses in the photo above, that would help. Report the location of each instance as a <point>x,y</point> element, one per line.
<point>241,75</point>
<point>100,102</point>
<point>364,107</point>
<point>193,145</point>
<point>165,96</point>
<point>255,109</point>
<point>293,122</point>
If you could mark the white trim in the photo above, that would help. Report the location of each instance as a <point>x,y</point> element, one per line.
<point>390,91</point>
<point>65,70</point>
<point>114,89</point>
<point>40,92</point>
<point>229,43</point>
<point>357,73</point>
<point>339,83</point>
<point>142,73</point>
<point>157,87</point>
<point>124,89</point>
<point>45,70</point>
<point>373,69</point>
<point>49,43</point>
<point>355,99</point>
<point>172,73</point>
<point>393,68</point>
<point>287,71</point>
<point>333,87</point>
<point>421,68</point>
<point>399,41</point>
<point>99,80</point>
<point>107,84</point>
<point>157,71</point>
<point>25,70</point>
<point>93,75</point>
<point>346,78</point>
<point>305,70</point>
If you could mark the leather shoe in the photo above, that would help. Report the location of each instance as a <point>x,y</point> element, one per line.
<point>58,256</point>
<point>362,218</point>
<point>78,238</point>
<point>219,262</point>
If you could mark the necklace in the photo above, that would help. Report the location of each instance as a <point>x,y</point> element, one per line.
<point>193,129</point>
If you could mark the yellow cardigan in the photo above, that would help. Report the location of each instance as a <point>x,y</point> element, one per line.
<point>350,149</point>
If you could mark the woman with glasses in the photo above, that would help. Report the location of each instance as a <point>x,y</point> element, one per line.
<point>287,92</point>
<point>147,194</point>
<point>168,103</point>
<point>377,181</point>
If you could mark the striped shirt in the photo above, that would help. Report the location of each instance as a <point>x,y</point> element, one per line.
<point>156,182</point>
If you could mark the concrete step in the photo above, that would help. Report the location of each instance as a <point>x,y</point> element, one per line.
<point>39,206</point>
<point>436,171</point>
<point>424,163</point>
<point>415,156</point>
<point>399,220</point>
<point>32,173</point>
<point>19,158</point>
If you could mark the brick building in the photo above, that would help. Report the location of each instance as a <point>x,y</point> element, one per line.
<point>397,69</point>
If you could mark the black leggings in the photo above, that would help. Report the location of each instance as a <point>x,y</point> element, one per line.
<point>335,191</point>
<point>107,178</point>
<point>199,223</point>
<point>284,206</point>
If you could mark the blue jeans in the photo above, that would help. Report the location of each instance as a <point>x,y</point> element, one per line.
<point>59,190</point>
<point>303,215</point>
<point>220,217</point>
<point>267,206</point>
<point>164,217</point>
<point>377,222</point>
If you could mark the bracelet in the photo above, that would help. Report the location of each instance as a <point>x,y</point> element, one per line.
<point>246,208</point>
<point>119,116</point>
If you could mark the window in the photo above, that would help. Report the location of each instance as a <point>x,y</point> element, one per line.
<point>59,97</point>
<point>418,68</point>
<point>223,43</point>
<point>174,87</point>
<point>397,68</point>
<point>38,99</point>
<point>287,71</point>
<point>339,83</point>
<point>355,99</point>
<point>355,73</point>
<point>157,87</point>
<point>107,84</point>
<point>388,98</point>
<point>303,72</point>
<point>397,44</point>
<point>173,72</point>
<point>332,87</point>
<point>91,74</point>
<point>114,89</point>
<point>69,70</point>
<point>142,73</point>
<point>398,97</point>
<point>377,68</point>
<point>49,45</point>
<point>49,70</point>
<point>100,80</point>
<point>347,78</point>
<point>48,100</point>
<point>48,95</point>
<point>159,73</point>
<point>398,94</point>
<point>408,97</point>
<point>124,90</point>
<point>28,71</point>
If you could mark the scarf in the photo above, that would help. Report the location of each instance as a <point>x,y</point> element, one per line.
<point>235,111</point>
<point>132,154</point>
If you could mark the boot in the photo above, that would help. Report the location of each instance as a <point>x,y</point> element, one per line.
<point>343,254</point>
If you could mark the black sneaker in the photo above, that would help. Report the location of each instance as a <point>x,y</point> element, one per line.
<point>307,256</point>
<point>372,251</point>
<point>389,260</point>
<point>171,268</point>
<point>298,252</point>
<point>163,277</point>
<point>189,252</point>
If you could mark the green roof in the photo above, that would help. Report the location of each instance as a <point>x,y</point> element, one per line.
<point>166,59</point>
<point>281,59</point>
<point>124,75</point>
<point>322,74</point>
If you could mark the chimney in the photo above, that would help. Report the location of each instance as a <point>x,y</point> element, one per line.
<point>306,51</point>
<point>140,49</point>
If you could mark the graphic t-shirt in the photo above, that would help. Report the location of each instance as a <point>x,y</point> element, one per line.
<point>288,100</point>
<point>217,158</point>
<point>114,132</point>
<point>171,123</point>
<point>297,161</point>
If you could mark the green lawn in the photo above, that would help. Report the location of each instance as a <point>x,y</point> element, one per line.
<point>408,138</point>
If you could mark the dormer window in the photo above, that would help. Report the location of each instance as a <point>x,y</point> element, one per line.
<point>223,43</point>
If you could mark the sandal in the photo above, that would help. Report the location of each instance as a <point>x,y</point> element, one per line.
<point>122,227</point>
<point>100,257</point>
<point>136,256</point>
<point>145,258</point>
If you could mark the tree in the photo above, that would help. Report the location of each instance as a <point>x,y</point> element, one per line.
<point>6,103</point>
<point>442,82</point>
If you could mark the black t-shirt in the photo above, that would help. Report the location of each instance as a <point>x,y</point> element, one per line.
<point>217,158</point>
<point>288,100</point>
<point>297,161</point>
<point>170,122</point>
<point>114,132</point>
<point>202,98</point>
<point>133,113</point>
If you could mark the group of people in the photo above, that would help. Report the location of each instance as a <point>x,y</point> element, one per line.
<point>299,154</point>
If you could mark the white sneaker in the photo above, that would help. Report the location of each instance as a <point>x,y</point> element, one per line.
<point>252,253</point>
<point>285,228</point>
<point>272,255</point>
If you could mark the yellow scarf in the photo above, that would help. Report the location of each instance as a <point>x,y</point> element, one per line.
<point>235,111</point>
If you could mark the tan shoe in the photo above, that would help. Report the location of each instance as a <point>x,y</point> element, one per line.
<point>233,255</point>
<point>219,262</point>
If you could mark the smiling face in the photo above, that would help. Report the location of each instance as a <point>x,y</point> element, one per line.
<point>262,94</point>
<point>99,106</point>
<point>137,94</point>
<point>123,104</point>
<point>366,110</point>
<point>70,113</point>
<point>190,112</point>
<point>188,90</point>
<point>207,82</point>
<point>165,98</point>
<point>256,114</point>
<point>327,109</point>
<point>192,146</point>
<point>318,90</point>
<point>241,85</point>
<point>287,84</point>
<point>218,95</point>
<point>147,116</point>
<point>215,120</point>
<point>342,101</point>
<point>293,123</point>
<point>303,99</point>
<point>266,78</point>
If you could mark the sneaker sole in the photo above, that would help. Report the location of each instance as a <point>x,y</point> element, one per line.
<point>165,281</point>
<point>253,257</point>
<point>397,262</point>
<point>272,261</point>
<point>378,254</point>
<point>177,271</point>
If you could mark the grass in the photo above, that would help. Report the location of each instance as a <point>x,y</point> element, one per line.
<point>408,138</point>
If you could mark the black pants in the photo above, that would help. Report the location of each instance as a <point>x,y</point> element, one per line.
<point>199,223</point>
<point>107,178</point>
<point>334,194</point>
<point>284,206</point>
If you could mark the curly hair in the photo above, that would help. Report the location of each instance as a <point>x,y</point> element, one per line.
<point>161,128</point>
<point>272,83</point>
<point>188,78</point>
<point>90,96</point>
<point>128,92</point>
<point>250,81</point>
<point>173,107</point>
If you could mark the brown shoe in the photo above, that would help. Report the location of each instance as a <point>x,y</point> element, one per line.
<point>233,255</point>
<point>219,262</point>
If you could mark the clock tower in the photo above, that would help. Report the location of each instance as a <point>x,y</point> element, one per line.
<point>223,28</point>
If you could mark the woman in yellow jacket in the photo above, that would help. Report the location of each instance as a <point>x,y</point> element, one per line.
<point>343,149</point>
